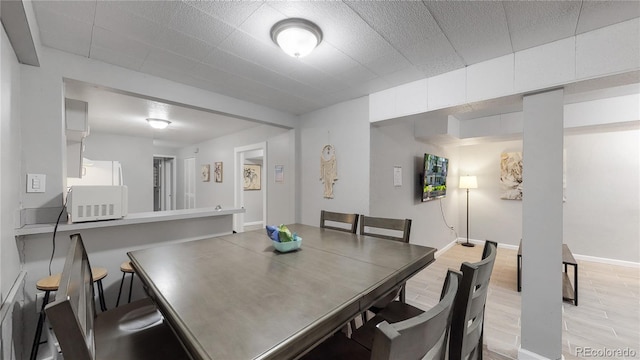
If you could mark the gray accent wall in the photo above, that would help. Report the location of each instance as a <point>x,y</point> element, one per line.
<point>394,145</point>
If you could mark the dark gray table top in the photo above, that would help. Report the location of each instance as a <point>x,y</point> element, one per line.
<point>235,297</point>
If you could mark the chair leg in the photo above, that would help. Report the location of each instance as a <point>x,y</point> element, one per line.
<point>131,286</point>
<point>403,294</point>
<point>103,304</point>
<point>120,291</point>
<point>41,318</point>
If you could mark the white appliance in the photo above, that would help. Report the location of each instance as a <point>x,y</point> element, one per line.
<point>98,172</point>
<point>97,202</point>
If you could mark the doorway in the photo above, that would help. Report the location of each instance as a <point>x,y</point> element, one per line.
<point>254,198</point>
<point>164,184</point>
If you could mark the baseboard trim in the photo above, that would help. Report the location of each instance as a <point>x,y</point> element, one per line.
<point>530,355</point>
<point>253,223</point>
<point>596,259</point>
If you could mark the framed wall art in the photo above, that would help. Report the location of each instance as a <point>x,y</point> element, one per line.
<point>217,171</point>
<point>252,177</point>
<point>205,171</point>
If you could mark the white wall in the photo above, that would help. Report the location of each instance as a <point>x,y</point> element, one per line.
<point>346,127</point>
<point>394,145</point>
<point>42,125</point>
<point>10,179</point>
<point>279,151</point>
<point>136,156</point>
<point>601,214</point>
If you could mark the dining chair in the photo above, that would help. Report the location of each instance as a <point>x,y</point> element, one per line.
<point>389,229</point>
<point>350,221</point>
<point>132,331</point>
<point>467,324</point>
<point>423,336</point>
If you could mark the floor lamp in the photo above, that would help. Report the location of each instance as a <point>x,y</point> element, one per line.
<point>468,182</point>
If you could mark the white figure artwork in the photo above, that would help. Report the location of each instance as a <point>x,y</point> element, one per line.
<point>328,170</point>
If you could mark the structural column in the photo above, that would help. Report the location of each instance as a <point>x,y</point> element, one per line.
<point>542,226</point>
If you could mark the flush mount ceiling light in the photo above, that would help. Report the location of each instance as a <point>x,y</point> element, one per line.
<point>158,123</point>
<point>296,37</point>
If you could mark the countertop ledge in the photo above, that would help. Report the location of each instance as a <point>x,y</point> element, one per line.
<point>131,219</point>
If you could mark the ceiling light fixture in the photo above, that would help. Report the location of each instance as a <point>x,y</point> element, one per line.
<point>158,123</point>
<point>296,37</point>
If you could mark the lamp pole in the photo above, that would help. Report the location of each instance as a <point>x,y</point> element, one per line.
<point>468,244</point>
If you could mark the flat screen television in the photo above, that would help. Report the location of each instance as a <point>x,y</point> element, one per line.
<point>434,180</point>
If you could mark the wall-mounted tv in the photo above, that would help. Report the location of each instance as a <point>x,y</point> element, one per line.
<point>434,180</point>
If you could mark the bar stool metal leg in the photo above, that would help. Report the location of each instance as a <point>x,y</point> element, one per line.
<point>131,285</point>
<point>103,304</point>
<point>120,291</point>
<point>41,319</point>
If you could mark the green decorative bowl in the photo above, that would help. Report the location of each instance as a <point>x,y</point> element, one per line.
<point>288,246</point>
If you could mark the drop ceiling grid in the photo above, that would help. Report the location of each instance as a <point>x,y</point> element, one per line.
<point>477,30</point>
<point>536,23</point>
<point>598,14</point>
<point>64,33</point>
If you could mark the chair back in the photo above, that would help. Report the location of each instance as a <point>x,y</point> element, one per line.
<point>72,313</point>
<point>379,227</point>
<point>468,313</point>
<point>351,221</point>
<point>423,336</point>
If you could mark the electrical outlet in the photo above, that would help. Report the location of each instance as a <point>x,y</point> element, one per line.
<point>39,300</point>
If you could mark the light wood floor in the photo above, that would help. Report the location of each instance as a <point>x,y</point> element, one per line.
<point>608,315</point>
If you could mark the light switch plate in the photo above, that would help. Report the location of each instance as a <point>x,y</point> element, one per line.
<point>36,183</point>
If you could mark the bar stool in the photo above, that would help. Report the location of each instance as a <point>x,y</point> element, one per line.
<point>126,268</point>
<point>51,283</point>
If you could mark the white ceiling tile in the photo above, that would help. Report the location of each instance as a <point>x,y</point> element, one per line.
<point>402,77</point>
<point>114,57</point>
<point>83,11</point>
<point>329,60</point>
<point>109,16</point>
<point>477,30</point>
<point>179,64</point>
<point>199,25</point>
<point>108,40</point>
<point>387,64</point>
<point>409,26</point>
<point>159,11</point>
<point>64,33</point>
<point>597,14</point>
<point>259,24</point>
<point>534,23</point>
<point>232,12</point>
<point>182,44</point>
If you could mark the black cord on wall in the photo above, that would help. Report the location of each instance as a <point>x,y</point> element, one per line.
<point>55,230</point>
<point>445,220</point>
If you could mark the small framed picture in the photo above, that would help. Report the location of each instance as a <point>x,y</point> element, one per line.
<point>217,171</point>
<point>252,177</point>
<point>279,173</point>
<point>205,172</point>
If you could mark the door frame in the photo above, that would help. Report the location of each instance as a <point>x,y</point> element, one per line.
<point>174,169</point>
<point>238,162</point>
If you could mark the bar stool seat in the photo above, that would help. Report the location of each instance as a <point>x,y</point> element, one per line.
<point>126,268</point>
<point>51,283</point>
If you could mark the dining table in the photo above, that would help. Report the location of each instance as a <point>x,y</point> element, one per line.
<point>236,297</point>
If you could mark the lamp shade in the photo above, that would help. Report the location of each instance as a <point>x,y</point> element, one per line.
<point>296,37</point>
<point>468,182</point>
<point>158,123</point>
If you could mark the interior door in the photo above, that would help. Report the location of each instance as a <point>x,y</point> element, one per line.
<point>190,183</point>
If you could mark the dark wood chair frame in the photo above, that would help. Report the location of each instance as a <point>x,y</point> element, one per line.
<point>467,324</point>
<point>350,219</point>
<point>132,331</point>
